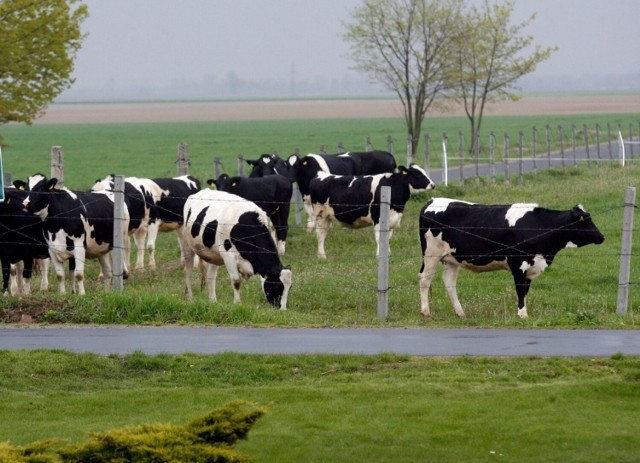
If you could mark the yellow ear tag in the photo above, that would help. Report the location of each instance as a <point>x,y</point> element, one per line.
<point>21,188</point>
<point>582,218</point>
<point>304,163</point>
<point>234,183</point>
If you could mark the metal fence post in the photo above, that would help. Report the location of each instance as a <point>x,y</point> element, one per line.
<point>625,253</point>
<point>119,234</point>
<point>383,253</point>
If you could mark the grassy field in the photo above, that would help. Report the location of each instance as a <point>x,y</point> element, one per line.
<point>341,408</point>
<point>150,150</point>
<point>579,290</point>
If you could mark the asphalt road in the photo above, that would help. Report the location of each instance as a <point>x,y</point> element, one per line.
<point>410,341</point>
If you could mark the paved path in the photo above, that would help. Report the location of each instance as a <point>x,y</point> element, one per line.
<point>411,341</point>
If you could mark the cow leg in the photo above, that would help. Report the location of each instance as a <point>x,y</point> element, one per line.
<point>139,237</point>
<point>58,266</point>
<point>17,282</point>
<point>376,232</point>
<point>152,236</point>
<point>189,257</point>
<point>231,263</point>
<point>450,278</point>
<point>80,253</point>
<point>6,277</point>
<point>212,273</point>
<point>426,276</point>
<point>27,273</point>
<point>522,289</point>
<point>311,218</point>
<point>281,225</point>
<point>105,266</point>
<point>322,224</point>
<point>44,274</point>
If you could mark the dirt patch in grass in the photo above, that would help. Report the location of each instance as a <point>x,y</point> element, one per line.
<point>96,113</point>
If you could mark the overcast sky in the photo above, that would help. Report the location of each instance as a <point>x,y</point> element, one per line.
<point>160,43</point>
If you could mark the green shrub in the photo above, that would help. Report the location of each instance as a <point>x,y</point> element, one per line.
<point>208,439</point>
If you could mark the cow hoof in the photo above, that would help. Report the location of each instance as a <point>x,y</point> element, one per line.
<point>427,316</point>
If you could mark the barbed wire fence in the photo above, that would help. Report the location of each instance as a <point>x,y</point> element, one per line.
<point>484,159</point>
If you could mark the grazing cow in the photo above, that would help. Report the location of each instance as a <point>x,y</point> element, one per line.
<point>303,170</point>
<point>224,229</point>
<point>21,243</point>
<point>268,164</point>
<point>138,201</point>
<point>271,193</point>
<point>354,200</point>
<point>522,238</point>
<point>77,225</point>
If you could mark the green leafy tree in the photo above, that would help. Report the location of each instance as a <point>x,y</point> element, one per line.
<point>490,56</point>
<point>39,40</point>
<point>405,45</point>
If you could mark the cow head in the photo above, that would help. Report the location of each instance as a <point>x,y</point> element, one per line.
<point>582,229</point>
<point>40,191</point>
<point>276,287</point>
<point>268,164</point>
<point>417,177</point>
<point>222,183</point>
<point>106,184</point>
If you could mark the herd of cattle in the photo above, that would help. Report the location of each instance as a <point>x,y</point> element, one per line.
<point>243,223</point>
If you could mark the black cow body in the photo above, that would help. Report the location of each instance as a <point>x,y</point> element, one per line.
<point>354,200</point>
<point>21,243</point>
<point>271,193</point>
<point>521,238</point>
<point>77,225</point>
<point>303,170</point>
<point>225,229</point>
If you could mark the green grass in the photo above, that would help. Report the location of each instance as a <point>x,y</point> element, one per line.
<point>341,408</point>
<point>150,150</point>
<point>578,290</point>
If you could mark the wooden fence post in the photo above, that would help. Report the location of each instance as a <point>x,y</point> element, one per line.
<point>585,131</point>
<point>57,165</point>
<point>547,135</point>
<point>340,148</point>
<point>389,144</point>
<point>240,165</point>
<point>534,140</point>
<point>217,168</point>
<point>367,144</point>
<point>561,143</point>
<point>183,159</point>
<point>521,158</point>
<point>119,236</point>
<point>625,253</point>
<point>383,254</point>
<point>506,157</point>
<point>573,145</point>
<point>492,156</point>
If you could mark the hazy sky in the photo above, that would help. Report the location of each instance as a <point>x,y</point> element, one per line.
<point>160,42</point>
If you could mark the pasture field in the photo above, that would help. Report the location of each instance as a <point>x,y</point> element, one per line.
<point>341,408</point>
<point>578,290</point>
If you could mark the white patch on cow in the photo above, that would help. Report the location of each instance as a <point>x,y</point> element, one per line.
<point>535,270</point>
<point>321,162</point>
<point>347,154</point>
<point>322,175</point>
<point>517,211</point>
<point>266,160</point>
<point>188,181</point>
<point>34,179</point>
<point>570,244</point>
<point>441,204</point>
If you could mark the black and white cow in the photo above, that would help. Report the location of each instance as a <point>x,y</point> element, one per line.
<point>268,164</point>
<point>156,205</point>
<point>522,238</point>
<point>225,229</point>
<point>354,200</point>
<point>139,202</point>
<point>271,193</point>
<point>21,244</point>
<point>169,196</point>
<point>303,170</point>
<point>77,225</point>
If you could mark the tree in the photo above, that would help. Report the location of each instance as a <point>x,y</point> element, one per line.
<point>38,45</point>
<point>406,46</point>
<point>490,58</point>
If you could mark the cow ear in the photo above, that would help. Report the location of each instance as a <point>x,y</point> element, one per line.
<point>51,184</point>
<point>211,182</point>
<point>403,170</point>
<point>253,162</point>
<point>234,183</point>
<point>20,184</point>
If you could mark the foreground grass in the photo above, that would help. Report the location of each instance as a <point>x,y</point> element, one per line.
<point>341,408</point>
